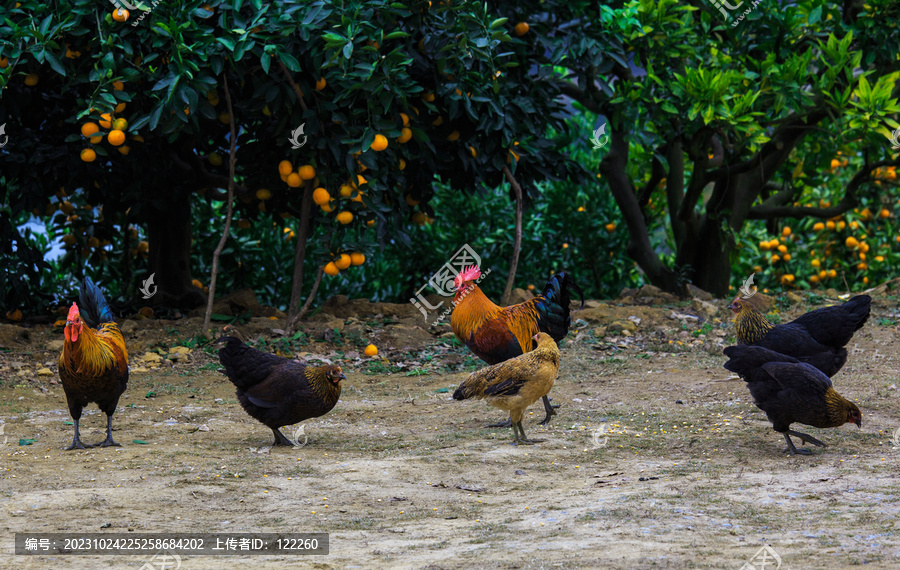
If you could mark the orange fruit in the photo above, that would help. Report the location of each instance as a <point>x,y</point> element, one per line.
<point>225,118</point>
<point>285,167</point>
<point>776,258</point>
<point>124,149</point>
<point>331,269</point>
<point>610,227</point>
<point>106,120</point>
<point>321,196</point>
<point>863,247</point>
<point>835,163</point>
<point>371,350</point>
<point>263,194</point>
<point>370,223</point>
<point>411,201</point>
<point>88,129</point>
<point>851,242</point>
<point>357,258</point>
<point>306,172</point>
<point>402,164</point>
<point>345,217</point>
<point>787,257</point>
<point>474,154</point>
<point>212,97</point>
<point>88,155</point>
<point>438,122</point>
<point>360,180</point>
<point>405,118</point>
<point>343,262</point>
<point>120,124</point>
<point>215,159</point>
<point>782,248</point>
<point>17,316</point>
<point>521,29</point>
<point>294,180</point>
<point>815,263</point>
<point>118,85</point>
<point>327,207</point>
<point>832,273</point>
<point>346,190</point>
<point>4,62</point>
<point>829,224</point>
<point>786,231</point>
<point>818,226</point>
<point>454,136</point>
<point>120,107</point>
<point>885,213</point>
<point>863,266</point>
<point>31,79</point>
<point>565,246</point>
<point>405,135</point>
<point>420,218</point>
<point>320,84</point>
<point>814,279</point>
<point>841,225</point>
<point>143,247</point>
<point>380,143</point>
<point>116,137</point>
<point>429,97</point>
<point>120,15</point>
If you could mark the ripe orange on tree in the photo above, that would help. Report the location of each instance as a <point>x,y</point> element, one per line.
<point>343,262</point>
<point>89,129</point>
<point>357,258</point>
<point>120,124</point>
<point>294,180</point>
<point>345,217</point>
<point>306,172</point>
<point>285,167</point>
<point>521,29</point>
<point>120,15</point>
<point>116,137</point>
<point>106,120</point>
<point>331,269</point>
<point>380,143</point>
<point>31,79</point>
<point>88,155</point>
<point>405,135</point>
<point>320,84</point>
<point>405,118</point>
<point>321,196</point>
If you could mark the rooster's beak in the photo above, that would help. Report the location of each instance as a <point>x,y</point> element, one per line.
<point>859,423</point>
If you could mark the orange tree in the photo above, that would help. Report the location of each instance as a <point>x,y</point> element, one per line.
<point>390,96</point>
<point>716,123</point>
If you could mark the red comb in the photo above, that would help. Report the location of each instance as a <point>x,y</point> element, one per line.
<point>470,273</point>
<point>73,312</point>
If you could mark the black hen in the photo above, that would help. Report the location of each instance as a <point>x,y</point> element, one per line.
<point>817,338</point>
<point>789,391</point>
<point>279,391</point>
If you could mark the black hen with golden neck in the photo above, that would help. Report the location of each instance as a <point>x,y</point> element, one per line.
<point>817,338</point>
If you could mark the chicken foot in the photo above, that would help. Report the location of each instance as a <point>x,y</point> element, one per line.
<point>548,407</point>
<point>76,442</point>
<point>108,442</point>
<point>520,437</point>
<point>805,438</point>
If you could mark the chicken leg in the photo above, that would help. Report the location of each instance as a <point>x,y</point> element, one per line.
<point>76,442</point>
<point>280,439</point>
<point>548,407</point>
<point>108,442</point>
<point>805,438</point>
<point>520,437</point>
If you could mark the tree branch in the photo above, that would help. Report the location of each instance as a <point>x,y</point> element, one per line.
<point>232,159</point>
<point>517,244</point>
<point>297,90</point>
<point>300,256</point>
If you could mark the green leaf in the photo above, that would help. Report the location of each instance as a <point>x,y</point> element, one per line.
<point>55,63</point>
<point>227,42</point>
<point>290,62</point>
<point>139,442</point>
<point>814,15</point>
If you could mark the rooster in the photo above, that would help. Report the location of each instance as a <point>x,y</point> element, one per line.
<point>93,366</point>
<point>789,391</point>
<point>496,334</point>
<point>817,338</point>
<point>515,384</point>
<point>279,391</point>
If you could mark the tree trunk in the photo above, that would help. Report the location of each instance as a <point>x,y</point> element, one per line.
<point>710,258</point>
<point>170,254</point>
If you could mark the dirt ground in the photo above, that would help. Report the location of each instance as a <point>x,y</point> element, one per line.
<point>656,459</point>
